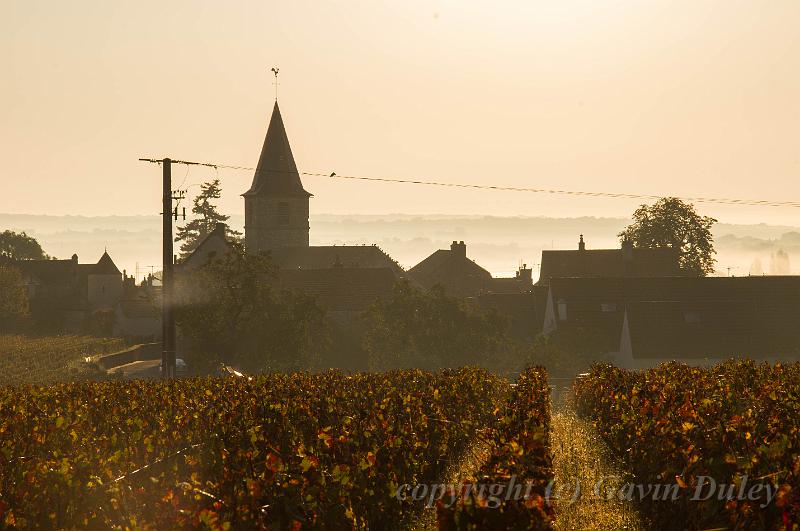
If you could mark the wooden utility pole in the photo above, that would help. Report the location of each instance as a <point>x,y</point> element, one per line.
<point>168,342</point>
<point>167,315</point>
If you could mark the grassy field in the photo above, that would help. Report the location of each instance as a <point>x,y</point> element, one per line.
<point>49,360</point>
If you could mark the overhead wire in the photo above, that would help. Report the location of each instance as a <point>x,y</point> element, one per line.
<point>576,193</point>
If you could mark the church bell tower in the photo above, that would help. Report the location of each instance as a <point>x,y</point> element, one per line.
<point>276,205</point>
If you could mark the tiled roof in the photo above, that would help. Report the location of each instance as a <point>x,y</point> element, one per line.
<point>510,285</point>
<point>455,272</point>
<point>52,272</point>
<point>327,256</point>
<point>106,266</point>
<point>608,263</point>
<point>341,288</point>
<point>214,244</point>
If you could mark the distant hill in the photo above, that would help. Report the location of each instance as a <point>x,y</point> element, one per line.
<point>497,243</point>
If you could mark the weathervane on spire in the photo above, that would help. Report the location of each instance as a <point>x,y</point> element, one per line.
<point>275,72</point>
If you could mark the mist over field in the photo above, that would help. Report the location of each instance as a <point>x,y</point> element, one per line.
<point>499,244</point>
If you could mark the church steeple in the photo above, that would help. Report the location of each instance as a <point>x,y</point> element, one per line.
<point>276,205</point>
<point>276,172</point>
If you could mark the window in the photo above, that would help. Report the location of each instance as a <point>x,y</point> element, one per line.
<point>562,310</point>
<point>283,214</point>
<point>607,307</point>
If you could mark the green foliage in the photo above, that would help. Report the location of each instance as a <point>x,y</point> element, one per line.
<point>13,298</point>
<point>432,330</point>
<point>670,222</point>
<point>205,219</point>
<point>277,451</point>
<point>726,422</point>
<point>20,246</point>
<point>231,311</point>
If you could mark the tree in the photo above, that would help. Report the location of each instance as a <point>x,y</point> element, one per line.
<point>205,219</point>
<point>671,223</point>
<point>432,330</point>
<point>232,311</point>
<point>20,246</point>
<point>13,297</point>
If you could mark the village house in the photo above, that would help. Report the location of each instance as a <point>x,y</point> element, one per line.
<point>71,297</point>
<point>137,316</point>
<point>65,293</point>
<point>463,277</point>
<point>627,261</point>
<point>451,269</point>
<point>641,322</point>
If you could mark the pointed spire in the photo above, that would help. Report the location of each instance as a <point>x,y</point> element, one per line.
<point>276,173</point>
<point>106,266</point>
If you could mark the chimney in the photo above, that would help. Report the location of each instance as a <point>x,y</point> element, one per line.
<point>220,227</point>
<point>75,258</point>
<point>581,244</point>
<point>459,248</point>
<point>525,274</point>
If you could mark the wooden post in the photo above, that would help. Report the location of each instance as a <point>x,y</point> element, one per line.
<point>167,316</point>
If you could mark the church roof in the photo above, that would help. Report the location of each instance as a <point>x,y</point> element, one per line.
<point>276,173</point>
<point>327,256</point>
<point>341,288</point>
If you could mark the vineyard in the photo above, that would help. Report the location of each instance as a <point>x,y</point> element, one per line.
<point>519,449</point>
<point>49,360</point>
<point>736,424</point>
<point>378,450</point>
<point>274,451</point>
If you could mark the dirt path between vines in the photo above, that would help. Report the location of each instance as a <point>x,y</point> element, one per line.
<point>457,473</point>
<point>578,453</point>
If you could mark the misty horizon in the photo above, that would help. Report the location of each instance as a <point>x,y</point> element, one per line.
<point>499,244</point>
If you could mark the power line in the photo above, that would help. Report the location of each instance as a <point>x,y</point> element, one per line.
<point>578,193</point>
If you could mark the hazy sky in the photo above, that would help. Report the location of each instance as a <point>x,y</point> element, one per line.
<point>678,98</point>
